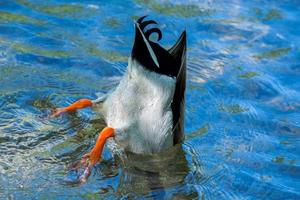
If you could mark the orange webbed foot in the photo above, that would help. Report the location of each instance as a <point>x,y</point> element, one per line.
<point>90,159</point>
<point>82,103</point>
<point>57,112</point>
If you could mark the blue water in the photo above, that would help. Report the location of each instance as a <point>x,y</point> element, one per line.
<point>242,99</point>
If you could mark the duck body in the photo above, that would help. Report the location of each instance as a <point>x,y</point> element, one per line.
<point>147,107</point>
<point>145,112</point>
<point>140,111</point>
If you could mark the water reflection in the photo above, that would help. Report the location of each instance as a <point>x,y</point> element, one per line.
<point>145,173</point>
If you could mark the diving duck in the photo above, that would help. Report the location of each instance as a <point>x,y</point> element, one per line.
<point>144,114</point>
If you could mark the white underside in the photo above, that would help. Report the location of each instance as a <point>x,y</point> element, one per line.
<point>140,110</point>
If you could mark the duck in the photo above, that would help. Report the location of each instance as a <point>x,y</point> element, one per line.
<point>144,114</point>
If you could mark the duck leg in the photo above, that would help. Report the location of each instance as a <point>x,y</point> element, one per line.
<point>82,103</point>
<point>91,158</point>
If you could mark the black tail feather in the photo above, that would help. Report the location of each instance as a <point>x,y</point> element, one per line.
<point>146,23</point>
<point>178,104</point>
<point>162,62</point>
<point>170,62</point>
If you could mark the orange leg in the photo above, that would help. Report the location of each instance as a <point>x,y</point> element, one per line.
<point>91,158</point>
<point>82,103</point>
<point>95,154</point>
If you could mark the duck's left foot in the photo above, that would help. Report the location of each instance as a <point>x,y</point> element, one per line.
<point>90,159</point>
<point>87,165</point>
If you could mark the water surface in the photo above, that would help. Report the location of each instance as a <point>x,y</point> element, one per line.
<point>242,100</point>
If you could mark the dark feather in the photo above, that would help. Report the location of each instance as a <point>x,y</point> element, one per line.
<point>153,30</point>
<point>141,19</point>
<point>171,62</point>
<point>178,104</point>
<point>146,23</point>
<point>167,64</point>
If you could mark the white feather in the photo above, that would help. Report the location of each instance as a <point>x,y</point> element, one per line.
<point>140,110</point>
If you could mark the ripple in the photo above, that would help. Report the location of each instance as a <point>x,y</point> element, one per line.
<point>7,17</point>
<point>13,31</point>
<point>201,71</point>
<point>272,53</point>
<point>27,49</point>
<point>242,100</point>
<point>73,11</point>
<point>182,10</point>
